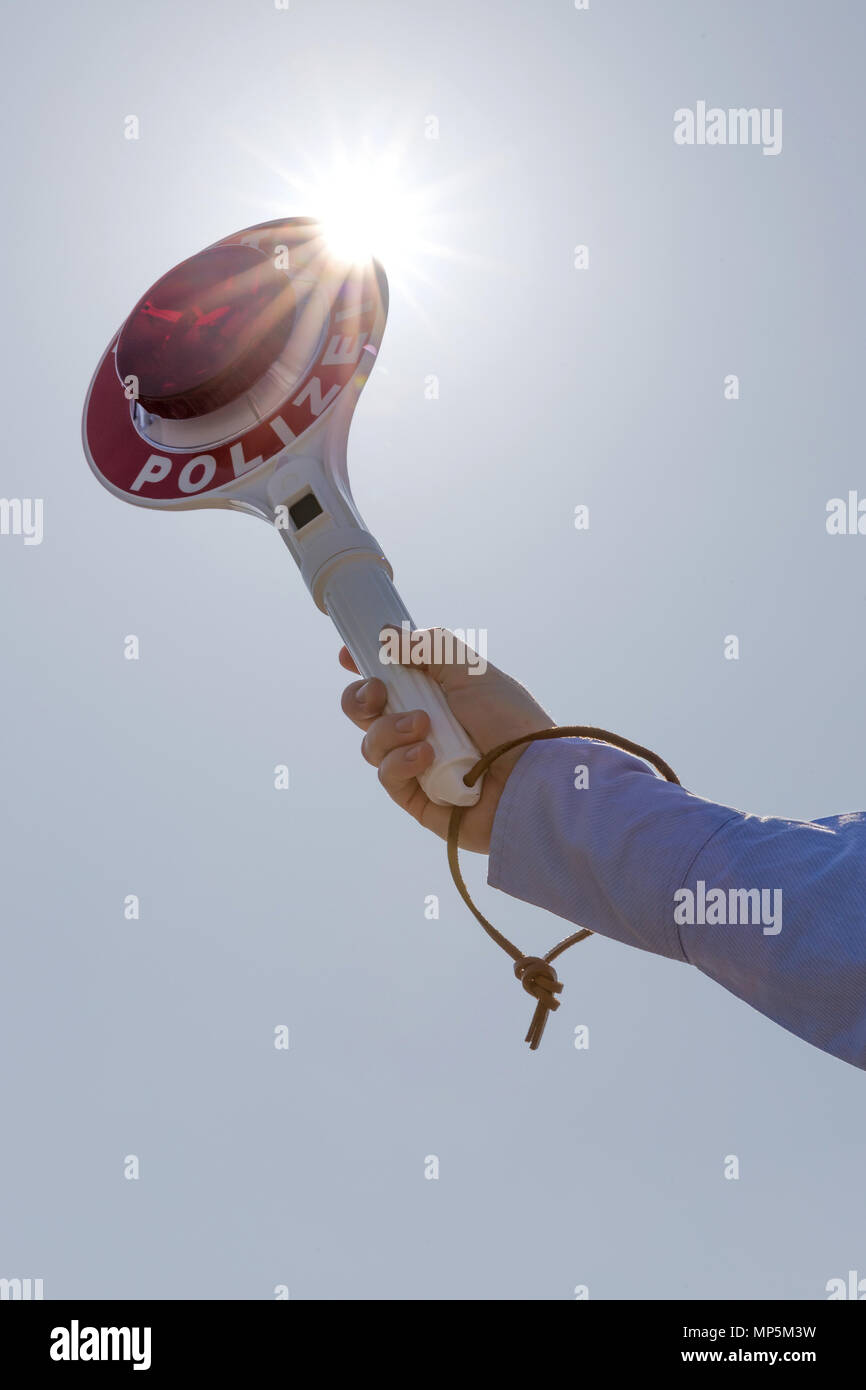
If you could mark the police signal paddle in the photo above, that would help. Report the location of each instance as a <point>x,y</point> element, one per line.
<point>232,384</point>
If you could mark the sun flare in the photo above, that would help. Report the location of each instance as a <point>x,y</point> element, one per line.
<point>367,209</point>
<point>364,212</point>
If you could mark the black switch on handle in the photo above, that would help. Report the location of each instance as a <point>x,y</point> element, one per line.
<point>305,510</point>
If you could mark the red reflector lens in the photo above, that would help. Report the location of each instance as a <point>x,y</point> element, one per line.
<point>204,333</point>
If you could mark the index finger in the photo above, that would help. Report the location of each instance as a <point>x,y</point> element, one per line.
<point>364,701</point>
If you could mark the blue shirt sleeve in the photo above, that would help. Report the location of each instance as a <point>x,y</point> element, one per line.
<point>773,910</point>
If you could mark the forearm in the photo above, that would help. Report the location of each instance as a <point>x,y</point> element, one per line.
<point>771,909</point>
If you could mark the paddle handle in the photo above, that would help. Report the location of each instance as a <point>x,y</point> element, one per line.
<point>361,599</point>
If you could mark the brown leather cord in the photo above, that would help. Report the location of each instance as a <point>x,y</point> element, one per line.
<point>536,973</point>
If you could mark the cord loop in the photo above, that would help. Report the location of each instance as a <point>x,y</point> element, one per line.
<point>536,973</point>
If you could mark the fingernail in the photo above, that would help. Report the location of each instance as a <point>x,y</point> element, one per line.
<point>405,723</point>
<point>412,753</point>
<point>361,692</point>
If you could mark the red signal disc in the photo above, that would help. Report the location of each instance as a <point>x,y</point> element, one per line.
<point>185,367</point>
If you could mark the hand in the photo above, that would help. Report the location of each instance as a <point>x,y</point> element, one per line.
<point>492,708</point>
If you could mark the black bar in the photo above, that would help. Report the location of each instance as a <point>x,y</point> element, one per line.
<point>221,1339</point>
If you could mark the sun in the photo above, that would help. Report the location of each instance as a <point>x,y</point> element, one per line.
<point>369,205</point>
<point>373,202</point>
<point>365,211</point>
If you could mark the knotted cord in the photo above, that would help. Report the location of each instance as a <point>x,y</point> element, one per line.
<point>536,973</point>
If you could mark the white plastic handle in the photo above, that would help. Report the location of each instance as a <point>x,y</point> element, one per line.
<point>361,599</point>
